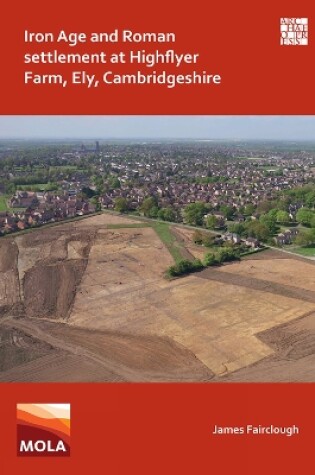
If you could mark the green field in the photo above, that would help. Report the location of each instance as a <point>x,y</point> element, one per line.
<point>27,187</point>
<point>69,168</point>
<point>3,203</point>
<point>37,187</point>
<point>164,233</point>
<point>59,167</point>
<point>250,158</point>
<point>269,168</point>
<point>305,251</point>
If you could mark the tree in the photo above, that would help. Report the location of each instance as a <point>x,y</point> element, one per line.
<point>114,182</point>
<point>211,222</point>
<point>305,238</point>
<point>228,211</point>
<point>210,259</point>
<point>194,213</point>
<point>273,213</point>
<point>166,214</point>
<point>147,205</point>
<point>153,212</point>
<point>283,203</point>
<point>197,265</point>
<point>310,199</point>
<point>207,239</point>
<point>283,217</point>
<point>270,221</point>
<point>121,205</point>
<point>185,266</point>
<point>227,254</point>
<point>257,230</point>
<point>95,201</point>
<point>265,206</point>
<point>237,228</point>
<point>304,216</point>
<point>249,209</point>
<point>88,192</point>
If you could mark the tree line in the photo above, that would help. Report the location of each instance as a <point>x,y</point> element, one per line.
<point>215,258</point>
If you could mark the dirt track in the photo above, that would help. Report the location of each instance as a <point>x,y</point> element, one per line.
<point>229,274</point>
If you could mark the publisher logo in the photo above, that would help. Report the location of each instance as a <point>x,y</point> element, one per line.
<point>294,31</point>
<point>43,430</point>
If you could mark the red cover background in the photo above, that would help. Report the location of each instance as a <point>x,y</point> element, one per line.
<point>166,428</point>
<point>239,40</point>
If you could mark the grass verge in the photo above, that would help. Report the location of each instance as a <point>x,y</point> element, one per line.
<point>166,236</point>
<point>3,203</point>
<point>305,251</point>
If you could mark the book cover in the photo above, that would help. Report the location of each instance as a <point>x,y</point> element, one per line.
<point>157,196</point>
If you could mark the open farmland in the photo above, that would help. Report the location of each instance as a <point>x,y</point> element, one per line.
<point>88,301</point>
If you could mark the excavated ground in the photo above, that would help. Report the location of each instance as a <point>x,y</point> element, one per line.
<point>88,301</point>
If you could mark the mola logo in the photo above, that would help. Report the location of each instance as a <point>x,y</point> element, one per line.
<point>43,430</point>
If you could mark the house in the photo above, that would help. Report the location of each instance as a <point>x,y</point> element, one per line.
<point>47,216</point>
<point>286,237</point>
<point>21,224</point>
<point>91,208</point>
<point>239,218</point>
<point>3,217</point>
<point>281,239</point>
<point>293,231</point>
<point>252,242</point>
<point>231,237</point>
<point>107,202</point>
<point>10,224</point>
<point>220,219</point>
<point>24,200</point>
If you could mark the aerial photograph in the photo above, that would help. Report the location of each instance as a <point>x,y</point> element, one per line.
<point>157,249</point>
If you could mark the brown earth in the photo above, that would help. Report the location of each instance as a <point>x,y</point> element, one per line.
<point>294,357</point>
<point>121,320</point>
<point>99,356</point>
<point>302,278</point>
<point>213,316</point>
<point>55,286</point>
<point>17,348</point>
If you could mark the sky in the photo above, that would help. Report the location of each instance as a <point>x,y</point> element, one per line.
<point>167,127</point>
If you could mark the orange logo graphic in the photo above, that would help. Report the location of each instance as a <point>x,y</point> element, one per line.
<point>43,430</point>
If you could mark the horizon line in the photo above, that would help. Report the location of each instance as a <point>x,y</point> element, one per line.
<point>194,139</point>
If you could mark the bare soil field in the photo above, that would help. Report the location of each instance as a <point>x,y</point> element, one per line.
<point>74,354</point>
<point>104,220</point>
<point>301,275</point>
<point>124,265</point>
<point>17,348</point>
<point>293,359</point>
<point>213,317</point>
<point>216,321</point>
<point>83,301</point>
